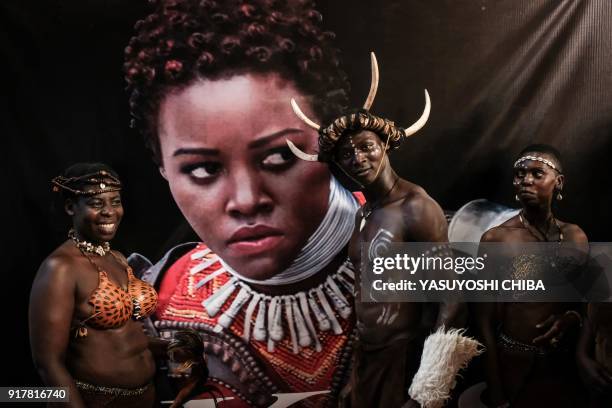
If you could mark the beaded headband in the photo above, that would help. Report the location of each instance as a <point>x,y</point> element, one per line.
<point>536,158</point>
<point>361,120</point>
<point>105,182</point>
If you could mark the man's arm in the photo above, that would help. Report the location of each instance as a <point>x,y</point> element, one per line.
<point>424,221</point>
<point>594,375</point>
<point>486,322</point>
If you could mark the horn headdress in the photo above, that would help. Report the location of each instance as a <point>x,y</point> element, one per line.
<point>359,120</point>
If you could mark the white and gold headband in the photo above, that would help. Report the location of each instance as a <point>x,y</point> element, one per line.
<point>536,158</point>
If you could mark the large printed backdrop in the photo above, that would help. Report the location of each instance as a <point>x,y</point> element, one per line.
<point>500,74</point>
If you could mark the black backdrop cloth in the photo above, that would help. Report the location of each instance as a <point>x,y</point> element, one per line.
<point>501,74</point>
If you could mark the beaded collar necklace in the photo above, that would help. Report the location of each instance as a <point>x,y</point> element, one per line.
<point>86,246</point>
<point>544,235</point>
<point>275,314</point>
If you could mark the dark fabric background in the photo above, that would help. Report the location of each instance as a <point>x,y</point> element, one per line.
<point>501,74</point>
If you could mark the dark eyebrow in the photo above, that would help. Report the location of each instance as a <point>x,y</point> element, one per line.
<point>203,151</point>
<point>262,141</point>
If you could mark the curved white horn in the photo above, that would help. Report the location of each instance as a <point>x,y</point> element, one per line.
<point>300,154</point>
<point>301,115</point>
<point>373,83</point>
<point>416,126</point>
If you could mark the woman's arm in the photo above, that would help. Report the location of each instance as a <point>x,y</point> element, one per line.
<point>50,316</point>
<point>594,375</point>
<point>158,347</point>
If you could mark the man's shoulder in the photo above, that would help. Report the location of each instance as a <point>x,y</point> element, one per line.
<point>422,216</point>
<point>418,205</point>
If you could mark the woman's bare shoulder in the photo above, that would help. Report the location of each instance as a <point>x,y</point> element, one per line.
<point>61,264</point>
<point>501,232</point>
<point>572,232</point>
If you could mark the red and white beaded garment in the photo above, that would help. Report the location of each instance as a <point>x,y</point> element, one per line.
<point>256,369</point>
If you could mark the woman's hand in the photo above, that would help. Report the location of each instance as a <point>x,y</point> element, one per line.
<point>556,326</point>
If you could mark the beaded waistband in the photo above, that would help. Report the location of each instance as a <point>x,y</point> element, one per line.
<point>506,342</point>
<point>114,391</point>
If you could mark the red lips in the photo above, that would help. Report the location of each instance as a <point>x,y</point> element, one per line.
<point>255,239</point>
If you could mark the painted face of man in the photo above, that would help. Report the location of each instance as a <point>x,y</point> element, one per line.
<point>360,154</point>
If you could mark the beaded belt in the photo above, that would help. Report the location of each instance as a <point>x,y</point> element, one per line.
<point>114,391</point>
<point>509,343</point>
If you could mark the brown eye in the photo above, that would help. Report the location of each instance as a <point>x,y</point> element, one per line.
<point>95,204</point>
<point>278,158</point>
<point>202,171</point>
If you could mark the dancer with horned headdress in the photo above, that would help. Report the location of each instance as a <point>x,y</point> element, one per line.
<point>390,335</point>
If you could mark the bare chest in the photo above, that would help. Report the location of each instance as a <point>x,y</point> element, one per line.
<point>373,234</point>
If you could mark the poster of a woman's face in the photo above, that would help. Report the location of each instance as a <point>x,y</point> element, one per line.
<point>232,175</point>
<point>208,85</point>
<point>210,88</point>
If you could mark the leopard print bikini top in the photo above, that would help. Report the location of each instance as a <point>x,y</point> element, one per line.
<point>113,305</point>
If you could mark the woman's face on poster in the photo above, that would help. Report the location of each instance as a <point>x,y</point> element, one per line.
<point>232,175</point>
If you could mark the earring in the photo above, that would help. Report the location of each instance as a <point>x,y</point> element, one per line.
<point>516,197</point>
<point>559,196</point>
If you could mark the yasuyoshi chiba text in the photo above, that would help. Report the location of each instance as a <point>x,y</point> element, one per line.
<point>470,285</point>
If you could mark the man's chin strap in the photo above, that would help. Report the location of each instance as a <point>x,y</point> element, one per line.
<point>361,186</point>
<point>444,354</point>
<point>383,158</point>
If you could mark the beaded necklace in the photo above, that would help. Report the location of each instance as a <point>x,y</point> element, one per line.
<point>368,209</point>
<point>88,247</point>
<point>276,313</point>
<point>543,235</point>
